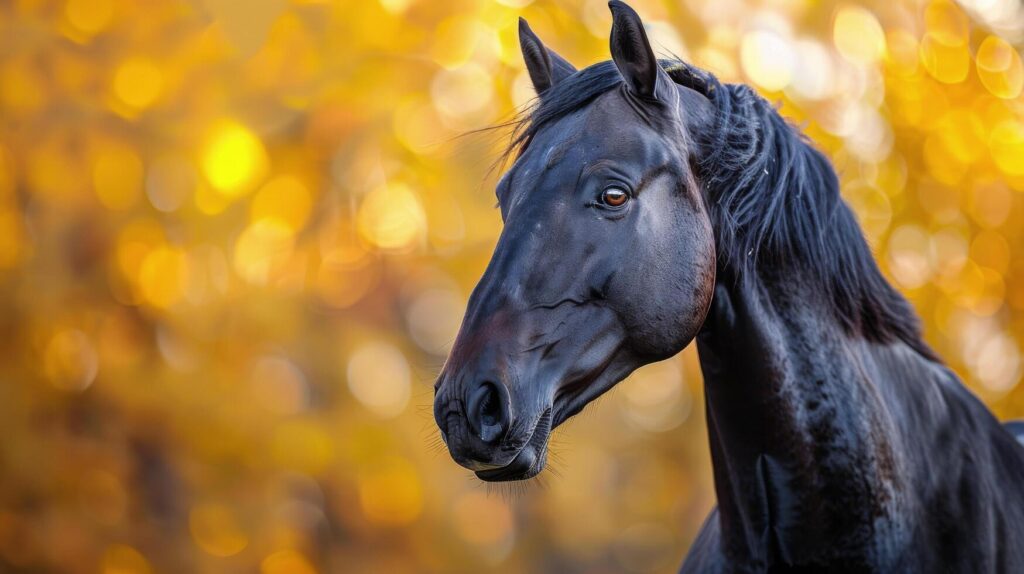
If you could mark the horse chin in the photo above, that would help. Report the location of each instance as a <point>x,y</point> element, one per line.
<point>527,464</point>
<point>530,460</point>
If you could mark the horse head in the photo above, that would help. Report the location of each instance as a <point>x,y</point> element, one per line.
<point>606,261</point>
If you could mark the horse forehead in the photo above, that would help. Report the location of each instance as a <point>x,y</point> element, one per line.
<point>553,141</point>
<point>602,131</point>
<point>607,130</point>
<point>613,129</point>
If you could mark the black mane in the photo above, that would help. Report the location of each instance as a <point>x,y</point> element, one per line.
<point>774,199</point>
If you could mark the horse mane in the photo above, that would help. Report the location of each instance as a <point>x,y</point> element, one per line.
<point>774,199</point>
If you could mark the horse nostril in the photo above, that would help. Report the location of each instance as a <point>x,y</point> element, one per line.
<point>488,412</point>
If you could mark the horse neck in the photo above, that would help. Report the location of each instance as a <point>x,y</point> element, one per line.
<point>797,431</point>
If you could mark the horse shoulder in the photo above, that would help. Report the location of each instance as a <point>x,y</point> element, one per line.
<point>969,478</point>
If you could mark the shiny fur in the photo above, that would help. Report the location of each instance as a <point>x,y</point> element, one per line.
<point>840,442</point>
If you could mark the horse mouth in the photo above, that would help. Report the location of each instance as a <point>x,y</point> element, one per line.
<point>530,460</point>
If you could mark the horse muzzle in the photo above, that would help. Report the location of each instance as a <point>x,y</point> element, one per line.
<point>477,424</point>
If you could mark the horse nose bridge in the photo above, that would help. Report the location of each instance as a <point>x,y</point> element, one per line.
<point>494,311</point>
<point>494,296</point>
<point>500,287</point>
<point>518,258</point>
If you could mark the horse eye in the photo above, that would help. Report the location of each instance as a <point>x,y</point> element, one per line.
<point>614,197</point>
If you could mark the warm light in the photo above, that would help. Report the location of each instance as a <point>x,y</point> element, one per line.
<point>286,562</point>
<point>418,127</point>
<point>135,242</point>
<point>944,51</point>
<point>433,318</point>
<point>262,249</point>
<point>944,165</point>
<point>655,398</point>
<point>237,242</point>
<point>391,217</point>
<point>989,204</point>
<point>903,51</point>
<point>390,492</point>
<point>948,252</point>
<point>1000,68</point>
<point>395,6</point>
<point>104,497</point>
<point>767,59</point>
<point>814,77</point>
<point>962,133</point>
<point>163,276</point>
<point>233,159</point>
<point>858,35</point>
<point>907,256</point>
<point>11,239</point>
<point>70,360</point>
<point>1007,147</point>
<point>302,445</point>
<point>284,200</point>
<point>947,63</point>
<point>345,276</point>
<point>873,209</point>
<point>279,385</point>
<point>89,16</point>
<point>947,23</point>
<point>209,201</point>
<point>138,82</point>
<point>998,364</point>
<point>121,559</point>
<point>117,176</point>
<point>216,530</point>
<point>456,39</point>
<point>872,138</point>
<point>170,180</point>
<point>24,89</point>
<point>481,519</point>
<point>463,91</point>
<point>378,376</point>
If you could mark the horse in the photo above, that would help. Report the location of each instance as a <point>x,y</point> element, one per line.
<point>649,205</point>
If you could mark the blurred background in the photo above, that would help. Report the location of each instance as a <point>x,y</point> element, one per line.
<point>237,238</point>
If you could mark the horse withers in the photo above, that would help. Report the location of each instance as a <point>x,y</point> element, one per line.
<point>649,205</point>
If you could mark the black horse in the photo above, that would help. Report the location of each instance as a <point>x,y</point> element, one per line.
<point>650,204</point>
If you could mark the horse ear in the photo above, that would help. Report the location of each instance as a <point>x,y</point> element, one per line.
<point>546,68</point>
<point>632,52</point>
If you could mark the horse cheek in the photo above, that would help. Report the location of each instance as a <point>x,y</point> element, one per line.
<point>704,279</point>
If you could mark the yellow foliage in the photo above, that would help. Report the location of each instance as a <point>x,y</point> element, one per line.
<point>237,238</point>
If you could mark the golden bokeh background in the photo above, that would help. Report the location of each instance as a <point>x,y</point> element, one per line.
<point>237,238</point>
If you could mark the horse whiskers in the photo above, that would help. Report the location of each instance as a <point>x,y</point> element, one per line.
<point>541,482</point>
<point>436,446</point>
<point>559,438</point>
<point>509,491</point>
<point>424,395</point>
<point>424,406</point>
<point>426,414</point>
<point>552,467</point>
<point>554,457</point>
<point>432,438</point>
